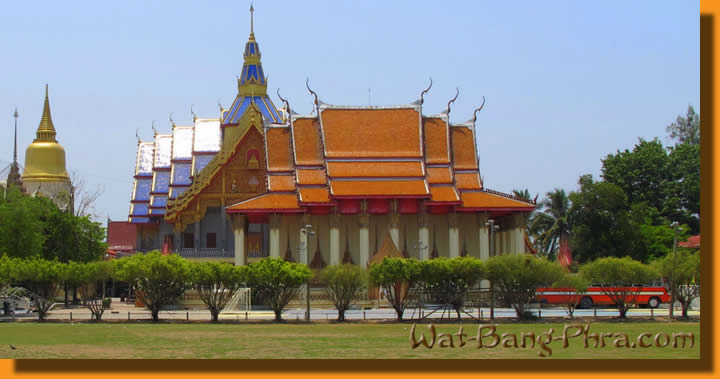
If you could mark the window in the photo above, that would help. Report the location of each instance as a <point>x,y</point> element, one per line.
<point>188,240</point>
<point>211,241</point>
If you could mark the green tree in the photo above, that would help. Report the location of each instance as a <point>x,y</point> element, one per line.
<point>683,273</point>
<point>550,223</point>
<point>277,281</point>
<point>21,229</point>
<point>576,285</point>
<point>682,191</point>
<point>217,283</point>
<point>640,173</point>
<point>602,225</point>
<point>41,277</point>
<point>89,277</point>
<point>343,284</point>
<point>685,129</point>
<point>159,280</point>
<point>393,276</point>
<point>449,280</point>
<point>621,279</point>
<point>517,277</point>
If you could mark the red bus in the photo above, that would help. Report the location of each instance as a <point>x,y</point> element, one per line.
<point>651,295</point>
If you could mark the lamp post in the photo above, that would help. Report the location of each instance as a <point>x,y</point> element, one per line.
<point>675,227</point>
<point>305,233</point>
<point>491,224</point>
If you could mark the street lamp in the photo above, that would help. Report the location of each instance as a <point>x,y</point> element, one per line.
<point>491,224</point>
<point>676,228</point>
<point>306,232</point>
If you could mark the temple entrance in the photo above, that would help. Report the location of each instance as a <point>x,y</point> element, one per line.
<point>257,241</point>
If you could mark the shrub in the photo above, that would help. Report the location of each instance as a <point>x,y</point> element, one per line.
<point>576,285</point>
<point>41,277</point>
<point>621,279</point>
<point>685,277</point>
<point>87,276</point>
<point>159,280</point>
<point>343,284</point>
<point>518,276</point>
<point>394,276</point>
<point>217,283</point>
<point>448,281</point>
<point>277,281</point>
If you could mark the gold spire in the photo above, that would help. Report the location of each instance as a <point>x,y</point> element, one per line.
<point>46,129</point>
<point>252,10</point>
<point>45,158</point>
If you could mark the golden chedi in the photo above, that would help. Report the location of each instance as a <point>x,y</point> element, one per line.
<point>45,171</point>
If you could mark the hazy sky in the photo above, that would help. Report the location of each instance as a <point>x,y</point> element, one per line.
<point>566,83</point>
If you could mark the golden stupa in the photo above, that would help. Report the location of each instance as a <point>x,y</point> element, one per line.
<point>45,170</point>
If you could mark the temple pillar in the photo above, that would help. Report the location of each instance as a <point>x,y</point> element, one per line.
<point>177,235</point>
<point>334,222</point>
<point>394,228</point>
<point>453,235</point>
<point>274,221</point>
<point>196,234</point>
<point>520,233</point>
<point>364,236</point>
<point>423,236</point>
<point>223,227</point>
<point>483,234</point>
<point>238,225</point>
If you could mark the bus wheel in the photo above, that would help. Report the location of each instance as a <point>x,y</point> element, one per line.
<point>653,302</point>
<point>586,302</point>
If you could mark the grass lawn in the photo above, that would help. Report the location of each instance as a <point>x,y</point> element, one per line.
<point>321,340</point>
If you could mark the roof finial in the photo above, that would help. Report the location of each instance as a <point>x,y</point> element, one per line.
<point>155,132</point>
<point>221,107</point>
<point>252,10</point>
<point>307,84</point>
<point>137,135</point>
<point>457,92</point>
<point>171,120</point>
<point>422,95</point>
<point>193,112</point>
<point>287,105</point>
<point>478,110</point>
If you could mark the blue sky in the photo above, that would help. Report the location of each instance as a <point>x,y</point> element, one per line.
<point>566,82</point>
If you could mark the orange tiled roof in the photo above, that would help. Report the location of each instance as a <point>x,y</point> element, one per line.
<point>439,175</point>
<point>311,176</point>
<point>306,140</point>
<point>375,169</point>
<point>371,133</point>
<point>463,146</point>
<point>436,140</point>
<point>488,200</point>
<point>267,202</point>
<point>281,183</point>
<point>314,195</point>
<point>468,180</point>
<point>410,187</point>
<point>279,149</point>
<point>443,193</point>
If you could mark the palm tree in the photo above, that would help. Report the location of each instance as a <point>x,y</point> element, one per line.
<point>549,224</point>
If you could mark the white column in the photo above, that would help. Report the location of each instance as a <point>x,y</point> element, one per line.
<point>394,228</point>
<point>423,236</point>
<point>239,232</point>
<point>453,235</point>
<point>519,233</point>
<point>483,239</point>
<point>274,236</point>
<point>364,235</point>
<point>303,248</point>
<point>334,239</point>
<point>197,234</point>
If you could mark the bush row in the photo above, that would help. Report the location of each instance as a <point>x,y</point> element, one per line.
<point>160,280</point>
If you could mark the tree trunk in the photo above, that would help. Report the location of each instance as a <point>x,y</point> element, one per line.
<point>278,315</point>
<point>155,314</point>
<point>623,312</point>
<point>75,298</point>
<point>215,315</point>
<point>65,289</point>
<point>341,315</point>
<point>399,315</point>
<point>685,306</point>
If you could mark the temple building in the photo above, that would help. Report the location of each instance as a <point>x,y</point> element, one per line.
<point>327,188</point>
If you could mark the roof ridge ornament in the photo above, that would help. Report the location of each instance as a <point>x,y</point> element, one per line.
<point>137,135</point>
<point>447,111</point>
<point>287,105</point>
<point>155,132</point>
<point>221,107</point>
<point>192,112</point>
<point>316,103</point>
<point>422,94</point>
<point>171,120</point>
<point>475,112</point>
